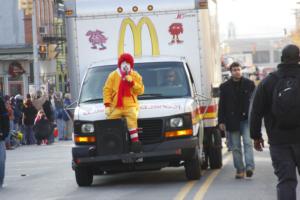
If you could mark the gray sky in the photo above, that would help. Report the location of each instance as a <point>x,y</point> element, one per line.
<point>257,18</point>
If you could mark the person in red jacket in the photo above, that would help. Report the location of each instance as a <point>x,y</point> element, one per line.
<point>120,92</point>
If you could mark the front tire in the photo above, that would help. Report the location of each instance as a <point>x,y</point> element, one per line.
<point>84,177</point>
<point>192,167</point>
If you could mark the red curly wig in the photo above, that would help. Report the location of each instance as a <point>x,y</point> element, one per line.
<point>126,57</point>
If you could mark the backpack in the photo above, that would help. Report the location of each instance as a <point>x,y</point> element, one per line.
<point>286,101</point>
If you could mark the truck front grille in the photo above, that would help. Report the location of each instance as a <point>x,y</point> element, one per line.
<point>150,131</point>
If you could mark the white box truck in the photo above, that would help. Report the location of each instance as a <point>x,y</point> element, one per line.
<point>177,124</point>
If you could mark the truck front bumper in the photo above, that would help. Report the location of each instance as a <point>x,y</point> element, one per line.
<point>165,152</point>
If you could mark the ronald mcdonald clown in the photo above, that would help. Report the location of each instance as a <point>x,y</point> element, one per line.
<point>120,97</point>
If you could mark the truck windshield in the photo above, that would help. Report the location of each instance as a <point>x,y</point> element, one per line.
<point>161,80</point>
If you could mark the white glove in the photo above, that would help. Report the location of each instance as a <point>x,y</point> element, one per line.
<point>128,78</point>
<point>222,127</point>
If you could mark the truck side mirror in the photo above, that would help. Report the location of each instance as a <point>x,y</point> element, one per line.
<point>215,92</point>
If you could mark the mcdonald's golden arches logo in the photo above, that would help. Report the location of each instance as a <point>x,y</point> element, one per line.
<point>137,36</point>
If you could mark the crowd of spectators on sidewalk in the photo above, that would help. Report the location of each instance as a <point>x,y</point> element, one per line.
<point>35,117</point>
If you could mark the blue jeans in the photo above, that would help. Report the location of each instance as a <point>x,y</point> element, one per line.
<point>285,160</point>
<point>11,128</point>
<point>237,153</point>
<point>51,136</point>
<point>61,128</point>
<point>228,141</point>
<point>2,162</point>
<point>29,134</point>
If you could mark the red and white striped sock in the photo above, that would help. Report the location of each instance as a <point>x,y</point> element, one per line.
<point>134,135</point>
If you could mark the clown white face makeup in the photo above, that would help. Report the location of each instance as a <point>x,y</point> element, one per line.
<point>125,67</point>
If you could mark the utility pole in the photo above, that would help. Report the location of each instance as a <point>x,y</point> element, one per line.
<point>35,45</point>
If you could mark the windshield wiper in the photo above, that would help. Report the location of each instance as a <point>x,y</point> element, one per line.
<point>92,100</point>
<point>157,95</point>
<point>151,95</point>
<point>173,96</point>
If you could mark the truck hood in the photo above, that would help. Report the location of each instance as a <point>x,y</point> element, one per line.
<point>148,109</point>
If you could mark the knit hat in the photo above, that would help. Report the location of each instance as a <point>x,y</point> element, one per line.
<point>290,54</point>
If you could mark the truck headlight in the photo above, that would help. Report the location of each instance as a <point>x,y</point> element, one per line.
<point>176,122</point>
<point>87,128</point>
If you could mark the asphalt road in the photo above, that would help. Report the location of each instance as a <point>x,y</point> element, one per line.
<point>44,173</point>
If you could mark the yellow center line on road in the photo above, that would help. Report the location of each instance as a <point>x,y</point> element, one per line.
<point>204,188</point>
<point>189,185</point>
<point>185,190</point>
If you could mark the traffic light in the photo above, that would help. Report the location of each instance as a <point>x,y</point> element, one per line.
<point>43,51</point>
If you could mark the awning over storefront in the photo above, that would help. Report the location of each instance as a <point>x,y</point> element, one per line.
<point>16,57</point>
<point>16,53</point>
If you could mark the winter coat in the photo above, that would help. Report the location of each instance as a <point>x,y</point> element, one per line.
<point>29,114</point>
<point>10,111</point>
<point>261,108</point>
<point>38,102</point>
<point>4,121</point>
<point>42,128</point>
<point>18,112</point>
<point>59,108</point>
<point>47,107</point>
<point>66,114</point>
<point>111,87</point>
<point>233,105</point>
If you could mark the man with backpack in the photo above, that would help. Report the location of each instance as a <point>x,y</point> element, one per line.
<point>4,130</point>
<point>277,100</point>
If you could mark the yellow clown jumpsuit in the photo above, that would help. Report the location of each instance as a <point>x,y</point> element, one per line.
<point>130,104</point>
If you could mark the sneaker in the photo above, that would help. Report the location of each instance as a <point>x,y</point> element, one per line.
<point>249,173</point>
<point>239,175</point>
<point>136,147</point>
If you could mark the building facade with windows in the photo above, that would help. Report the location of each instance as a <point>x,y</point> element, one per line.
<point>15,49</point>
<point>16,46</point>
<point>264,53</point>
<point>51,42</point>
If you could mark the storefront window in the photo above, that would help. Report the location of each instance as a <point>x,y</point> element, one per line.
<point>15,85</point>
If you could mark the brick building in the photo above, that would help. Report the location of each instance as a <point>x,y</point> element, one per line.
<point>16,46</point>
<point>15,50</point>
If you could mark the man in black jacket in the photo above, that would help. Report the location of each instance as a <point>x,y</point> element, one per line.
<point>4,130</point>
<point>284,140</point>
<point>234,103</point>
